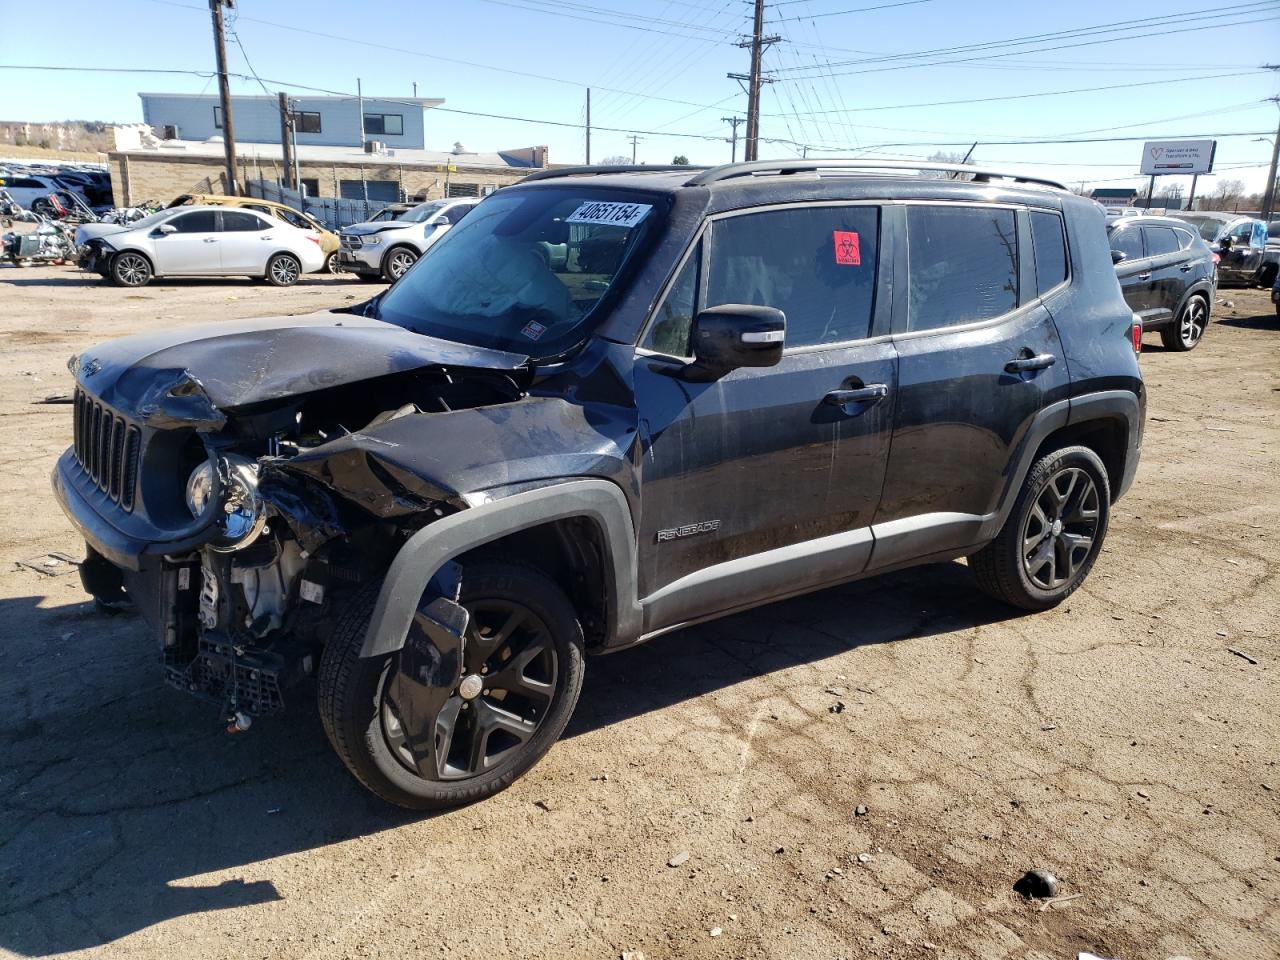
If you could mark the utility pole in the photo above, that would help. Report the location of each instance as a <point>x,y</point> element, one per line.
<point>733,150</point>
<point>1269,195</point>
<point>286,131</point>
<point>224,93</point>
<point>588,126</point>
<point>634,141</point>
<point>757,43</point>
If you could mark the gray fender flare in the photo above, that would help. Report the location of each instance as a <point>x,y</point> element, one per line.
<point>430,548</point>
<point>1103,405</point>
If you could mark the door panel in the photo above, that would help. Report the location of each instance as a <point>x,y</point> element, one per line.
<point>1133,272</point>
<point>966,396</point>
<point>193,250</point>
<point>1169,279</point>
<point>760,460</point>
<point>759,455</point>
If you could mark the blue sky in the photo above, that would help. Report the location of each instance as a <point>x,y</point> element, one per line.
<point>659,68</point>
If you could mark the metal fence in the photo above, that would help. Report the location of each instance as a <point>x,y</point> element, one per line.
<point>335,213</point>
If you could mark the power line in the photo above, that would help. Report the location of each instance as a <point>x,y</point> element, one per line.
<point>841,13</point>
<point>1092,29</point>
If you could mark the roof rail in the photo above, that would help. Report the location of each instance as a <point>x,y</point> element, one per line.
<point>730,171</point>
<point>600,170</point>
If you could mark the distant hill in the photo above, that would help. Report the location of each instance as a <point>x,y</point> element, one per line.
<point>80,136</point>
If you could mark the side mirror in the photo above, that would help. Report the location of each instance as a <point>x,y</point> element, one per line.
<point>440,221</point>
<point>1117,256</point>
<point>736,335</point>
<point>166,228</point>
<point>1226,243</point>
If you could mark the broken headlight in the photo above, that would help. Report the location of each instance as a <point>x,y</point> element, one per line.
<point>242,515</point>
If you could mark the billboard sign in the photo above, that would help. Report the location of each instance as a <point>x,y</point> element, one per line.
<point>1186,157</point>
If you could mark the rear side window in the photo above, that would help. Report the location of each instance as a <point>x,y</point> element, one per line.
<point>236,220</point>
<point>1128,242</point>
<point>1185,238</point>
<point>962,263</point>
<point>205,221</point>
<point>815,264</point>
<point>1051,250</point>
<point>1160,241</point>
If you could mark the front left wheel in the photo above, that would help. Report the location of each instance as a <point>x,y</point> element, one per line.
<point>522,670</point>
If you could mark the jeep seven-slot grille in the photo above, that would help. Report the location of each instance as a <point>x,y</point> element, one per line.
<point>106,447</point>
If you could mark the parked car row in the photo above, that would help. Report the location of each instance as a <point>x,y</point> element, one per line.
<point>195,241</point>
<point>1169,267</point>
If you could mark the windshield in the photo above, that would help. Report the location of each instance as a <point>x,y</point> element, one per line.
<point>1208,226</point>
<point>524,270</point>
<point>151,220</point>
<point>422,212</point>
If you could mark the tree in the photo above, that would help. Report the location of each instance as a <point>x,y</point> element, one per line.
<point>617,160</point>
<point>680,160</point>
<point>942,156</point>
<point>1227,192</point>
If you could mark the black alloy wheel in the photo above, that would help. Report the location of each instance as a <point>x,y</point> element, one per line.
<point>1058,534</point>
<point>514,691</point>
<point>1053,534</point>
<point>508,681</point>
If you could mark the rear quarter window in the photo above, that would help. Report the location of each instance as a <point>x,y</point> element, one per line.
<point>1050,250</point>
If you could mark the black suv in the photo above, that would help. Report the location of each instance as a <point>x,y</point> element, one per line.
<point>1167,274</point>
<point>611,403</point>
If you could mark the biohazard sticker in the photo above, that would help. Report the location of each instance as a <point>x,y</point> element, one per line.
<point>848,252</point>
<point>533,330</point>
<point>611,214</point>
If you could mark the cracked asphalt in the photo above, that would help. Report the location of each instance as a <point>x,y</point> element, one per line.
<point>1117,740</point>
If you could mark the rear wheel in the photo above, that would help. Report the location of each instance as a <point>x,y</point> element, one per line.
<point>1189,328</point>
<point>1050,540</point>
<point>283,270</point>
<point>130,269</point>
<point>522,669</point>
<point>397,261</point>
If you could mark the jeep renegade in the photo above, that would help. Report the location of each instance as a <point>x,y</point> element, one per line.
<point>610,403</point>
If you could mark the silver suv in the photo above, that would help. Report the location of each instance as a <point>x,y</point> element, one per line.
<point>384,250</point>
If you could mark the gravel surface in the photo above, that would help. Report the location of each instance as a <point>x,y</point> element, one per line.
<point>706,801</point>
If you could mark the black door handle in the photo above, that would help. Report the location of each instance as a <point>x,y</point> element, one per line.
<point>1144,276</point>
<point>874,393</point>
<point>1023,364</point>
<point>1185,268</point>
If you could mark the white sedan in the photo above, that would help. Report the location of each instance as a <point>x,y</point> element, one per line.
<point>199,242</point>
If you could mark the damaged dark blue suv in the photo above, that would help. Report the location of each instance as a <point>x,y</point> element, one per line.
<point>609,404</point>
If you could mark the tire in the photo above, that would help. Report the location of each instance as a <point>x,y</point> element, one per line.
<point>1019,572</point>
<point>397,261</point>
<point>330,264</point>
<point>1267,276</point>
<point>130,269</point>
<point>363,728</point>
<point>1188,330</point>
<point>283,270</point>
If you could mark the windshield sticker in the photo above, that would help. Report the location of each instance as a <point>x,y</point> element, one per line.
<point>533,330</point>
<point>612,214</point>
<point>847,248</point>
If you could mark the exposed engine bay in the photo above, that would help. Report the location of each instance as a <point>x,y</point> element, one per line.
<point>302,513</point>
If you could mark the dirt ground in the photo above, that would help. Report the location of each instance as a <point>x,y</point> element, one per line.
<point>1118,740</point>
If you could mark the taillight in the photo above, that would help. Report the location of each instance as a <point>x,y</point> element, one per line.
<point>314,239</point>
<point>1216,259</point>
<point>1135,330</point>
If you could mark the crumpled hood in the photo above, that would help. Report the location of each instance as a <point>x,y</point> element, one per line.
<point>91,231</point>
<point>193,375</point>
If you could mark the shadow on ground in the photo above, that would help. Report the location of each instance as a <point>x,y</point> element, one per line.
<point>116,789</point>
